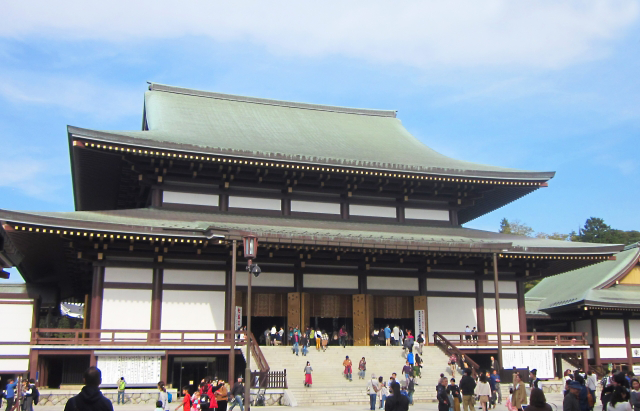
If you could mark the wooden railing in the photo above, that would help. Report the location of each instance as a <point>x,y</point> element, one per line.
<point>515,339</point>
<point>57,336</point>
<point>450,349</point>
<point>577,363</point>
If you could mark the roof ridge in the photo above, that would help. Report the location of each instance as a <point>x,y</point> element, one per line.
<point>282,103</point>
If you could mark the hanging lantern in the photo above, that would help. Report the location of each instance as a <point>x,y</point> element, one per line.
<point>250,247</point>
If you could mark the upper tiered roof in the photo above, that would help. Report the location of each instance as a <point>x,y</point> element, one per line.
<point>205,122</point>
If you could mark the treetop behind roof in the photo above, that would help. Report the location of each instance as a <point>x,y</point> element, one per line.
<point>177,118</point>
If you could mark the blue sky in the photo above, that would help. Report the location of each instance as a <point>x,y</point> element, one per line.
<point>543,86</point>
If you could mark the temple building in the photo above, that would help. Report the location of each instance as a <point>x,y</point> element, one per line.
<point>601,300</point>
<point>359,225</point>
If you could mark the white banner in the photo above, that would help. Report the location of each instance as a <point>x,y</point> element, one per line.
<point>635,352</point>
<point>420,324</point>
<point>540,359</point>
<point>238,318</point>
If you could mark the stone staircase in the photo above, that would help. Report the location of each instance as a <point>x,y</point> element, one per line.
<point>331,388</point>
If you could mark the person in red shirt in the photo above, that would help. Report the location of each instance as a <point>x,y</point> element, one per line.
<point>186,400</point>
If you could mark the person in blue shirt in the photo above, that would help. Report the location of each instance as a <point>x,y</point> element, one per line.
<point>410,358</point>
<point>495,377</point>
<point>11,387</point>
<point>387,335</point>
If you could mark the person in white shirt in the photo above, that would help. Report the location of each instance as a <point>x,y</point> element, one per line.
<point>592,383</point>
<point>483,390</point>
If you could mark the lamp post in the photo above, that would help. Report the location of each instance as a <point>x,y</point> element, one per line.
<point>250,252</point>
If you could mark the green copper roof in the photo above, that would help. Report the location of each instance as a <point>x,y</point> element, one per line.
<point>590,285</point>
<point>152,220</point>
<point>250,127</point>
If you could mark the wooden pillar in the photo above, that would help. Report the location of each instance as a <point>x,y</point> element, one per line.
<point>420,303</point>
<point>360,320</point>
<point>627,339</point>
<point>595,339</point>
<point>522,311</point>
<point>97,291</point>
<point>93,361</point>
<point>156,301</point>
<point>164,368</point>
<point>480,305</point>
<point>33,363</point>
<point>585,360</point>
<point>231,306</point>
<point>298,278</point>
<point>305,311</point>
<point>293,310</point>
<point>370,314</point>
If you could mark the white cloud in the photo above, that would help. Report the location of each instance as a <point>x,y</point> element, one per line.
<point>31,177</point>
<point>541,34</point>
<point>79,95</point>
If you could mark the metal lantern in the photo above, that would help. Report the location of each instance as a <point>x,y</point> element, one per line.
<point>250,246</point>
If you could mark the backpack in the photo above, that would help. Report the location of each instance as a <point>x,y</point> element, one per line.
<point>36,395</point>
<point>205,401</point>
<point>169,397</point>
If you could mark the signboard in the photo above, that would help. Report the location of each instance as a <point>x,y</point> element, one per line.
<point>238,318</point>
<point>541,359</point>
<point>136,370</point>
<point>635,352</point>
<point>420,323</point>
<point>636,369</point>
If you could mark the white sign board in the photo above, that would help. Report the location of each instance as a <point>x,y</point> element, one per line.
<point>635,352</point>
<point>136,370</point>
<point>540,359</point>
<point>238,318</point>
<point>420,324</point>
<point>636,369</point>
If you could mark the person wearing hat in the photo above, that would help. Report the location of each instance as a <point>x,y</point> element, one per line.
<point>372,390</point>
<point>519,392</point>
<point>534,381</point>
<point>571,402</point>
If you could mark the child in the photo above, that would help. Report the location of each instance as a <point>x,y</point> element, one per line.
<point>195,401</point>
<point>159,406</point>
<point>509,404</point>
<point>186,400</point>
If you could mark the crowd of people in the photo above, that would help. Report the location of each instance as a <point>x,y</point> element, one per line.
<point>28,392</point>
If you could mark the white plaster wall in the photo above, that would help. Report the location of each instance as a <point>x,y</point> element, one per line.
<point>392,283</point>
<point>126,310</point>
<point>13,365</point>
<point>611,332</point>
<point>16,323</point>
<point>255,203</point>
<point>315,207</point>
<point>192,310</point>
<point>372,211</point>
<point>14,350</point>
<point>506,287</point>
<point>266,279</point>
<point>449,314</point>
<point>175,197</point>
<point>584,326</point>
<point>426,214</point>
<point>634,331</point>
<point>128,275</point>
<point>194,277</point>
<point>612,352</point>
<point>508,316</point>
<point>330,281</point>
<point>451,285</point>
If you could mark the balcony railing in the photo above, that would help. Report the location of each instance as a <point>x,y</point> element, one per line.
<point>101,337</point>
<point>462,339</point>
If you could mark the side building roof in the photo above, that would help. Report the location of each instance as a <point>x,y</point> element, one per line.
<point>206,122</point>
<point>594,286</point>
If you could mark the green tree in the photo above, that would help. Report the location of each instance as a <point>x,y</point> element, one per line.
<point>505,227</point>
<point>554,236</point>
<point>595,231</point>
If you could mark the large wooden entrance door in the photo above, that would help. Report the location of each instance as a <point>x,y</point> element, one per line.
<point>362,319</point>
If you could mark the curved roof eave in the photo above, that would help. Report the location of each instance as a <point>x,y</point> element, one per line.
<point>139,139</point>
